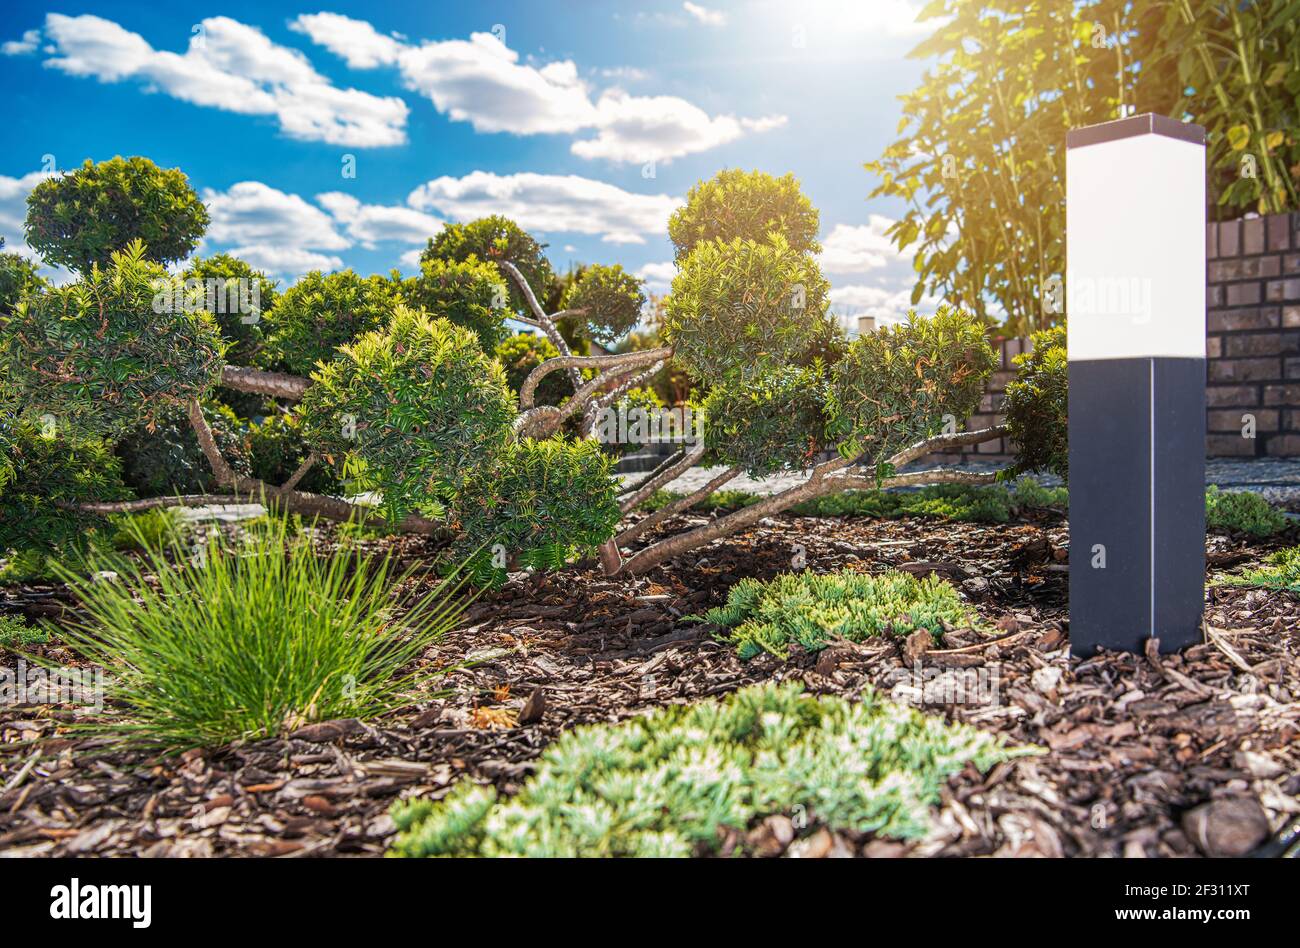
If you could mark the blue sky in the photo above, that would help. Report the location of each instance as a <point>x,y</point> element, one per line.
<point>587,122</point>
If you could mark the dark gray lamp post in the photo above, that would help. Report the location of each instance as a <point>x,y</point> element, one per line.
<point>1135,311</point>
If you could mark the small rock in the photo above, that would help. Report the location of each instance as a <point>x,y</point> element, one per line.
<point>917,644</point>
<point>1260,766</point>
<point>771,837</point>
<point>1046,679</point>
<point>1229,827</point>
<point>534,707</point>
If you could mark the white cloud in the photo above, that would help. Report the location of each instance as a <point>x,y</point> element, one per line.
<point>251,212</point>
<point>550,203</point>
<point>704,14</point>
<point>287,262</point>
<point>370,224</point>
<point>658,276</point>
<point>232,67</point>
<point>21,47</point>
<point>482,81</point>
<point>13,214</point>
<point>859,248</point>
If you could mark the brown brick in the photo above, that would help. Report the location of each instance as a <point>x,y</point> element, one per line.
<point>1291,420</point>
<point>1213,347</point>
<point>1252,235</point>
<point>1291,263</point>
<point>1283,446</point>
<point>1211,241</point>
<point>1279,290</point>
<point>1291,369</point>
<point>1230,320</point>
<point>990,447</point>
<point>1215,296</point>
<point>1291,317</point>
<point>1245,370</point>
<point>1220,395</point>
<point>1229,238</point>
<point>1232,419</point>
<point>1243,294</point>
<point>1220,271</point>
<point>1253,344</point>
<point>1261,266</point>
<point>1221,446</point>
<point>1279,231</point>
<point>998,380</point>
<point>1282,394</point>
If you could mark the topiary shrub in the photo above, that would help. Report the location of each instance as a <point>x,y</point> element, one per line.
<point>1037,406</point>
<point>522,353</point>
<point>811,609</point>
<point>276,448</point>
<point>748,205</point>
<point>320,313</point>
<point>167,460</point>
<point>682,779</point>
<point>492,239</point>
<point>467,293</point>
<point>542,505</point>
<point>609,299</point>
<point>39,474</point>
<point>418,405</point>
<point>237,296</point>
<point>768,423</point>
<point>740,308</point>
<point>1243,512</point>
<point>81,218</point>
<point>97,353</point>
<point>18,278</point>
<point>894,386</point>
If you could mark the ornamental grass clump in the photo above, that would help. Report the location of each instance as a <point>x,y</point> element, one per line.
<point>811,609</point>
<point>203,647</point>
<point>667,783</point>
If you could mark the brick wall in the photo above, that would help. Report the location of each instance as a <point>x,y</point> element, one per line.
<point>1252,343</point>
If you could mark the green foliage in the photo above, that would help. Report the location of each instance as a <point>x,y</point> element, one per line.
<point>81,218</point>
<point>767,423</point>
<point>418,404</point>
<point>276,447</point>
<point>610,299</point>
<point>967,503</point>
<point>321,312</point>
<point>38,474</point>
<point>670,782</point>
<point>468,293</point>
<point>522,353</point>
<point>544,503</point>
<point>146,530</point>
<point>238,299</point>
<point>250,642</point>
<point>743,307</point>
<point>894,386</point>
<point>1282,572</point>
<point>744,205</point>
<point>15,632</point>
<point>1037,406</point>
<point>96,353</point>
<point>811,609</point>
<point>492,239</point>
<point>1243,512</point>
<point>168,460</point>
<point>722,501</point>
<point>18,278</point>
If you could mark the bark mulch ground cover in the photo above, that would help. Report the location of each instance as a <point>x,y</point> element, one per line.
<point>1191,754</point>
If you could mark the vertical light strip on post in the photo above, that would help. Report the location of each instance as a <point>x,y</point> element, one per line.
<point>1135,318</point>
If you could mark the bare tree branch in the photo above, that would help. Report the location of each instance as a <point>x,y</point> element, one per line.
<point>654,483</point>
<point>624,360</point>
<point>682,503</point>
<point>275,384</point>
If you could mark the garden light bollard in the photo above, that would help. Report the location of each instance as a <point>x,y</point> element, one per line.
<point>1135,318</point>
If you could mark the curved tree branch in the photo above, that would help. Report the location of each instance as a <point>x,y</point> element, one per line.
<point>622,360</point>
<point>682,503</point>
<point>665,476</point>
<point>544,322</point>
<point>275,384</point>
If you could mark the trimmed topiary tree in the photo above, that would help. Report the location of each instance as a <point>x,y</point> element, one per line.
<point>492,240</point>
<point>81,218</point>
<point>467,293</point>
<point>321,312</point>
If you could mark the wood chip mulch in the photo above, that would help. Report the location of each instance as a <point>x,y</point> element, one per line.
<point>1173,755</point>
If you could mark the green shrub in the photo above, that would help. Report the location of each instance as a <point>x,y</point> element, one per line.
<point>276,448</point>
<point>468,293</point>
<point>418,404</point>
<point>1037,406</point>
<point>15,632</point>
<point>83,217</point>
<point>492,239</point>
<point>250,642</point>
<point>545,503</point>
<point>39,474</point>
<point>522,353</point>
<point>149,529</point>
<point>320,313</point>
<point>1282,572</point>
<point>811,609</point>
<point>962,502</point>
<point>667,783</point>
<point>168,460</point>
<point>741,308</point>
<point>96,352</point>
<point>19,277</point>
<point>748,205</point>
<point>894,386</point>
<point>723,501</point>
<point>769,422</point>
<point>237,307</point>
<point>1243,512</point>
<point>610,300</point>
